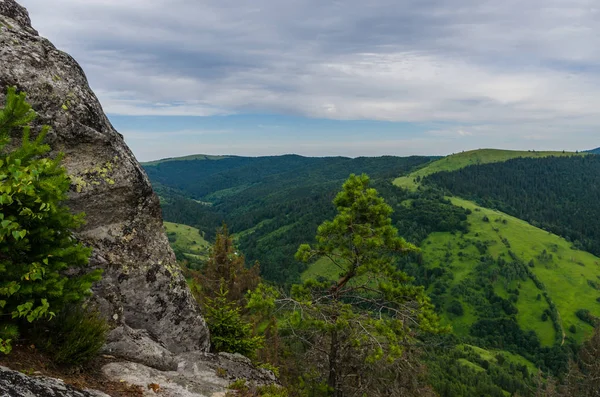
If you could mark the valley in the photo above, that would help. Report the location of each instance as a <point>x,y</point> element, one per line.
<point>506,287</point>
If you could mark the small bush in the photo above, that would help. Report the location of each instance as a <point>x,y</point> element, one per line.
<point>456,308</point>
<point>75,336</point>
<point>228,331</point>
<point>36,240</point>
<point>8,333</point>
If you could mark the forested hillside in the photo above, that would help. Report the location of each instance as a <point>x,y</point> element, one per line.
<point>519,299</point>
<point>594,151</point>
<point>272,204</point>
<point>465,159</point>
<point>559,194</point>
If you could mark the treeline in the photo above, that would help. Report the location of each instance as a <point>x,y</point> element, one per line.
<point>558,194</point>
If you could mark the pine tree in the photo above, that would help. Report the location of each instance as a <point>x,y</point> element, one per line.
<point>36,241</point>
<point>358,327</point>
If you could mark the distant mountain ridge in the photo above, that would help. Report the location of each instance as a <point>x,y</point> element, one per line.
<point>594,151</point>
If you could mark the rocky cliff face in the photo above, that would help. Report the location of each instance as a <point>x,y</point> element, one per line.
<point>142,287</point>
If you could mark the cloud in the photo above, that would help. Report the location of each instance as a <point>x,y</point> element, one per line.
<point>497,70</point>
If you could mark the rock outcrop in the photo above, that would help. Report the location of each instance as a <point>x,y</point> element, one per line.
<point>196,374</point>
<point>158,332</point>
<point>142,287</point>
<point>13,384</point>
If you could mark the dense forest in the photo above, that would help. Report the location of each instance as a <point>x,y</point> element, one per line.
<point>267,201</point>
<point>558,194</point>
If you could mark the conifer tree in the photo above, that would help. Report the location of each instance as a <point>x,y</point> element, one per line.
<point>229,332</point>
<point>36,241</point>
<point>358,327</point>
<point>226,268</point>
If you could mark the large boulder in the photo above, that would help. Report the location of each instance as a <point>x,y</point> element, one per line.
<point>142,286</point>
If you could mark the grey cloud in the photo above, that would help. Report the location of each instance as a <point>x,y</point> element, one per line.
<point>474,62</point>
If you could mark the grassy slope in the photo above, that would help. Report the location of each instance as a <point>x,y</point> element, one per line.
<point>321,268</point>
<point>490,355</point>
<point>473,157</point>
<point>186,158</point>
<point>565,277</point>
<point>188,239</point>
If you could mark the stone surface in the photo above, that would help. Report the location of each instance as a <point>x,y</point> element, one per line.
<point>15,384</point>
<point>136,345</point>
<point>197,375</point>
<point>142,286</point>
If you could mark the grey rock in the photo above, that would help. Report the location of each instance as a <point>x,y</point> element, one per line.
<point>157,329</point>
<point>197,375</point>
<point>230,366</point>
<point>137,345</point>
<point>142,286</point>
<point>15,384</point>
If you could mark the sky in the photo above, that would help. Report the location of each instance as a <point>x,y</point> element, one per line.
<point>350,78</point>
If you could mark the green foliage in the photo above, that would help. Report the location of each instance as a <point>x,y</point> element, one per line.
<point>559,194</point>
<point>365,317</point>
<point>585,316</point>
<point>36,244</point>
<point>262,299</point>
<point>226,269</point>
<point>268,202</point>
<point>240,388</point>
<point>465,371</point>
<point>8,333</point>
<point>228,331</point>
<point>456,308</point>
<point>75,335</point>
<point>465,159</point>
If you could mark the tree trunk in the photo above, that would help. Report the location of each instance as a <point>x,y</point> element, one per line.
<point>332,381</point>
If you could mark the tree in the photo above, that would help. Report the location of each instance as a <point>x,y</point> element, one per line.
<point>226,268</point>
<point>357,328</point>
<point>583,378</point>
<point>36,242</point>
<point>221,290</point>
<point>228,331</point>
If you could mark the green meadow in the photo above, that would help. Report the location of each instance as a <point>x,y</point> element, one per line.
<point>565,276</point>
<point>187,240</point>
<point>570,277</point>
